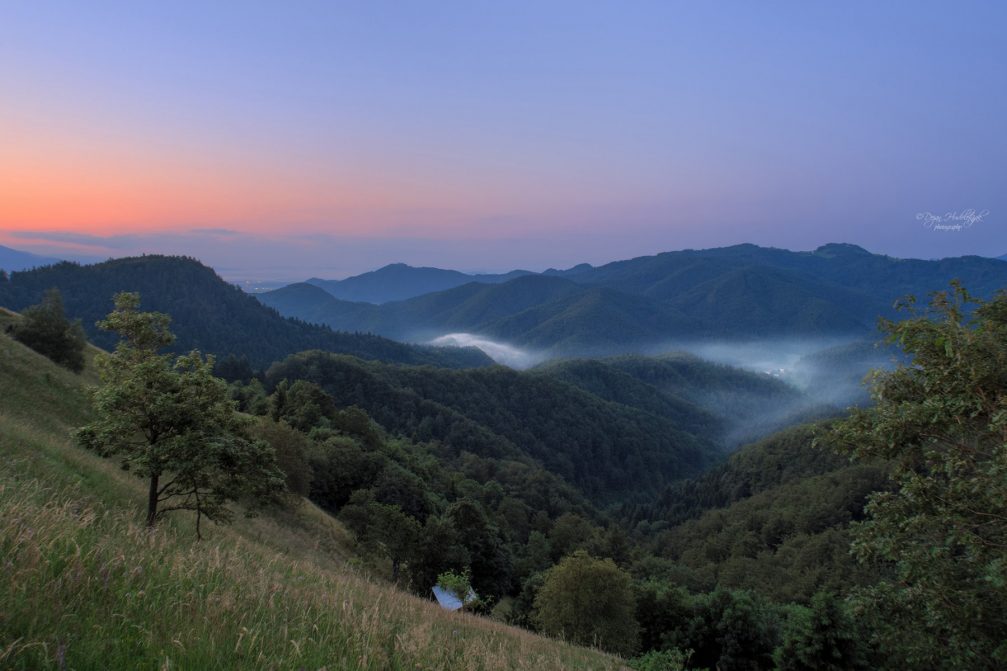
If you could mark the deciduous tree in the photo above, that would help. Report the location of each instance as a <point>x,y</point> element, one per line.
<point>590,602</point>
<point>172,422</point>
<point>942,423</point>
<point>822,637</point>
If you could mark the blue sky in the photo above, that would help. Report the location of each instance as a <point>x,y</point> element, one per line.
<point>335,137</point>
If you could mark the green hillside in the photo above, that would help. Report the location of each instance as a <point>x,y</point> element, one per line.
<point>749,405</point>
<point>773,518</point>
<point>207,313</point>
<point>595,320</point>
<point>526,483</point>
<point>608,381</point>
<point>85,586</point>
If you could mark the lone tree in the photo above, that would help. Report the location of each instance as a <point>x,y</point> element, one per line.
<point>589,601</point>
<point>942,423</point>
<point>172,423</point>
<point>46,329</point>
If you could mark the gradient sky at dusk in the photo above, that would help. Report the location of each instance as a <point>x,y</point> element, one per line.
<point>291,139</point>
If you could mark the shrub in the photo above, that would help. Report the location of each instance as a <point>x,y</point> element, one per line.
<point>47,330</point>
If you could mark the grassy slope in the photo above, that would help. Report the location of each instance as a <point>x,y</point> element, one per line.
<point>84,586</point>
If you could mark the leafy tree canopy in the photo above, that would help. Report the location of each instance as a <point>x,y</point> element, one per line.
<point>590,602</point>
<point>822,637</point>
<point>942,422</point>
<point>172,422</point>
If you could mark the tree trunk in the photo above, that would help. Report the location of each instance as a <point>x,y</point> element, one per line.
<point>152,502</point>
<point>395,570</point>
<point>199,514</point>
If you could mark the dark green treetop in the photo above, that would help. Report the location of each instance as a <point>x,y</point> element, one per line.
<point>46,329</point>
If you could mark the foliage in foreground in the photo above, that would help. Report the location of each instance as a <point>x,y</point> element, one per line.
<point>142,600</point>
<point>942,422</point>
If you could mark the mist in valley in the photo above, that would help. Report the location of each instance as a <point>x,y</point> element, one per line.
<point>502,353</point>
<point>826,376</point>
<point>827,371</point>
<point>817,377</point>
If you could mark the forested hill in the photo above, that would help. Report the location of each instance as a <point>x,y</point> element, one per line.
<point>775,518</point>
<point>850,272</point>
<point>736,292</point>
<point>207,313</point>
<point>607,450</point>
<point>599,425</point>
<point>744,406</point>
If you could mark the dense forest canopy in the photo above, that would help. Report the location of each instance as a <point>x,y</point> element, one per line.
<point>746,565</point>
<point>437,471</point>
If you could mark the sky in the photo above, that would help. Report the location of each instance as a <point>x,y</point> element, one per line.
<point>287,140</point>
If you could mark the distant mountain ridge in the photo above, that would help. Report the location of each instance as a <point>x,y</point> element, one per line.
<point>12,260</point>
<point>398,281</point>
<point>533,311</point>
<point>744,291</point>
<point>207,313</point>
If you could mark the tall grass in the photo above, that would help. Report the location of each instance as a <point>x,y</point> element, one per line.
<point>83,584</point>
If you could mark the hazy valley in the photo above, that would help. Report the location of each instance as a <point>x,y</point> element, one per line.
<point>682,435</point>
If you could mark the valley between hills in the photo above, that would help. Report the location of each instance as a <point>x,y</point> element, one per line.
<point>645,464</point>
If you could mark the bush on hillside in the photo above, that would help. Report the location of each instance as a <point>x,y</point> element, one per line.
<point>47,330</point>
